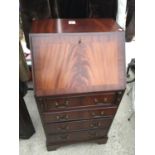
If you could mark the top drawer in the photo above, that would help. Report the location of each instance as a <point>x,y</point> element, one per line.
<point>104,99</point>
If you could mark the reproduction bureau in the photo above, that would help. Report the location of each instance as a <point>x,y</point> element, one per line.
<point>79,78</point>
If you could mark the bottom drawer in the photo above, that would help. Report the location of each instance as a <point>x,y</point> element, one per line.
<point>62,127</point>
<point>76,136</point>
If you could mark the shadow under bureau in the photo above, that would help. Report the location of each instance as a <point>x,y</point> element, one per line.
<point>79,77</point>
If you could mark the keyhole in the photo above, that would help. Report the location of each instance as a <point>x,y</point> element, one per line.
<point>80,41</point>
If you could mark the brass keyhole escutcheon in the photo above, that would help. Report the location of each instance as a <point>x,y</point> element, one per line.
<point>80,41</point>
<point>102,113</point>
<point>56,104</point>
<point>66,103</point>
<point>105,99</point>
<point>95,100</point>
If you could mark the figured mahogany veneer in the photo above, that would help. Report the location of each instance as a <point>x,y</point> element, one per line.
<point>94,64</point>
<point>79,77</point>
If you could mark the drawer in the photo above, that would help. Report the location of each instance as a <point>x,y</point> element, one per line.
<point>61,103</point>
<point>104,99</point>
<point>76,136</point>
<point>88,113</point>
<point>53,128</point>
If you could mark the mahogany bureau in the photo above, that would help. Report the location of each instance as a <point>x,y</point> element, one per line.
<point>79,77</point>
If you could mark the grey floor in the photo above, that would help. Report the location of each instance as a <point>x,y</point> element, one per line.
<point>121,134</point>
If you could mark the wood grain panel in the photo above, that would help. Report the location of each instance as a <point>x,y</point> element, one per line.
<point>78,63</point>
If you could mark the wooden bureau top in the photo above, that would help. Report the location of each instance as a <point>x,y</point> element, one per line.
<point>68,26</point>
<point>73,63</point>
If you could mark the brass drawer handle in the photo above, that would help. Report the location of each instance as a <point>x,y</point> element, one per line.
<point>64,137</point>
<point>62,118</point>
<point>118,99</point>
<point>95,115</point>
<point>62,105</point>
<point>102,112</point>
<point>105,99</point>
<point>63,128</point>
<point>93,134</point>
<point>119,92</point>
<point>97,102</point>
<point>95,125</point>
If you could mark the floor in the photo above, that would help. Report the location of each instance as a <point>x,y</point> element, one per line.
<point>121,134</point>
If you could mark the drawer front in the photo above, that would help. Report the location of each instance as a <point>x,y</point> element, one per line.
<point>103,99</point>
<point>76,136</point>
<point>61,103</point>
<point>88,113</point>
<point>53,128</point>
<point>106,99</point>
